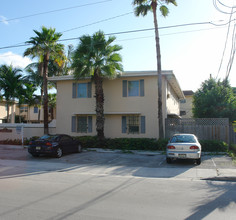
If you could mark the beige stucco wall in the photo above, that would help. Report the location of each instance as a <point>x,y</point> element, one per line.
<point>114,106</point>
<point>187,106</point>
<point>30,115</point>
<point>172,101</point>
<point>3,112</point>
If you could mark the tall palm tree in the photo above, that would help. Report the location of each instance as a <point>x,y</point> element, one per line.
<point>11,81</point>
<point>45,46</point>
<point>29,97</point>
<point>52,101</point>
<point>142,8</point>
<point>35,77</point>
<point>97,58</point>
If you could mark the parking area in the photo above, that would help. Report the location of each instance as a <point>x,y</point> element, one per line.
<point>110,158</point>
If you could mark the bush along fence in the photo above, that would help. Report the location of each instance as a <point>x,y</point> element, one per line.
<point>148,144</point>
<point>127,144</point>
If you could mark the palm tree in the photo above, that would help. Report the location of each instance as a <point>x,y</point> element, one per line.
<point>11,82</point>
<point>45,46</point>
<point>97,58</point>
<point>34,76</point>
<point>52,101</point>
<point>29,97</point>
<point>142,8</point>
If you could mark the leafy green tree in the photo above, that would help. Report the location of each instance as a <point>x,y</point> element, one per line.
<point>215,99</point>
<point>45,46</point>
<point>95,57</point>
<point>11,81</point>
<point>142,7</point>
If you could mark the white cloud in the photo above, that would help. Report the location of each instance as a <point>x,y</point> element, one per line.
<point>16,60</point>
<point>3,20</point>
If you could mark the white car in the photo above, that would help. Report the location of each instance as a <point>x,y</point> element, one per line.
<point>183,146</point>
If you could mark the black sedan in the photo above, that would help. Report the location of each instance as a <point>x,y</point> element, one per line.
<point>55,145</point>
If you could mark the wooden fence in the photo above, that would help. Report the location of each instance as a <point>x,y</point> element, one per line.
<point>203,128</point>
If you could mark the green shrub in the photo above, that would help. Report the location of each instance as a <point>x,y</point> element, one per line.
<point>233,148</point>
<point>213,146</point>
<point>151,144</point>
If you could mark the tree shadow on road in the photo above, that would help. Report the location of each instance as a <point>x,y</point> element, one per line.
<point>223,195</point>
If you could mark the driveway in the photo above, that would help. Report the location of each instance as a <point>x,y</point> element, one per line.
<point>141,164</point>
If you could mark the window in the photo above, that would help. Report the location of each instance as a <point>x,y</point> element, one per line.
<point>81,124</point>
<point>23,109</point>
<point>182,113</point>
<point>133,88</point>
<point>81,90</point>
<point>183,101</point>
<point>36,109</point>
<point>133,124</point>
<point>65,138</point>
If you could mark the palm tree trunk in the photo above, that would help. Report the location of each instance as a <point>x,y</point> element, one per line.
<point>158,54</point>
<point>40,69</point>
<point>99,106</point>
<point>45,93</point>
<point>7,112</point>
<point>40,106</point>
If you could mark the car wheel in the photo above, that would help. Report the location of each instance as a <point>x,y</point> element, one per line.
<point>168,160</point>
<point>198,161</point>
<point>35,155</point>
<point>59,152</point>
<point>79,148</point>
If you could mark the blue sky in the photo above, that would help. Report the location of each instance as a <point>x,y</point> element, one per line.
<point>193,52</point>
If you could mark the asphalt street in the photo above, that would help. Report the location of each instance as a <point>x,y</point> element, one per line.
<point>102,185</point>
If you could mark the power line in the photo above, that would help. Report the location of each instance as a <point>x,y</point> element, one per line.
<point>53,11</point>
<point>127,32</point>
<point>107,19</point>
<point>218,9</point>
<point>227,35</point>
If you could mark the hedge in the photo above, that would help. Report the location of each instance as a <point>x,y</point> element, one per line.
<point>150,144</point>
<point>146,144</point>
<point>124,143</point>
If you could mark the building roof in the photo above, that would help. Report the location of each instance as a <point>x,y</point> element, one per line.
<point>168,74</point>
<point>188,92</point>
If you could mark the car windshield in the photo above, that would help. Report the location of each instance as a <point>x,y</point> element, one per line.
<point>48,137</point>
<point>183,139</point>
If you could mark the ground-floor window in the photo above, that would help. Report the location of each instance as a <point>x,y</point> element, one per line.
<point>81,124</point>
<point>133,124</point>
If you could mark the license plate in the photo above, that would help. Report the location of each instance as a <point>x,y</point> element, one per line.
<point>38,148</point>
<point>182,155</point>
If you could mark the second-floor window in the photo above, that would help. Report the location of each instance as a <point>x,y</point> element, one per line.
<point>36,109</point>
<point>82,90</point>
<point>133,88</point>
<point>23,109</point>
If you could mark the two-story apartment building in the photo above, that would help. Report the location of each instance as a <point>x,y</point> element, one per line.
<point>130,106</point>
<point>28,114</point>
